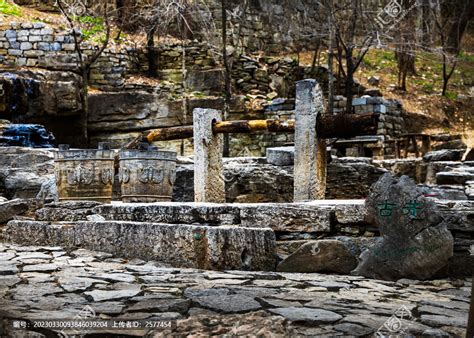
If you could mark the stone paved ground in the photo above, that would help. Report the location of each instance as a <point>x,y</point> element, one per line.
<point>47,283</point>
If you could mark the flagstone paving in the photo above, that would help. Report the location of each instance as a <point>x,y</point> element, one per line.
<point>51,283</point>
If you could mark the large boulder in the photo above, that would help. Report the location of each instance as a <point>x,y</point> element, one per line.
<point>416,242</point>
<point>24,170</point>
<point>10,210</point>
<point>444,155</point>
<point>328,255</point>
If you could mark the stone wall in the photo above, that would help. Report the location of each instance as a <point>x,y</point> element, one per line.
<point>39,45</point>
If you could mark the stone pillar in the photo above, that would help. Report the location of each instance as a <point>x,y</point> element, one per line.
<point>310,153</point>
<point>209,185</point>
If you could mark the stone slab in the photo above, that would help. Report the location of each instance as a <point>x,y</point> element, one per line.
<point>315,216</point>
<point>281,156</point>
<point>204,247</point>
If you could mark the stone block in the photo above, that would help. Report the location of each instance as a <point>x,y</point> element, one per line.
<point>33,53</point>
<point>38,25</point>
<point>15,52</point>
<point>32,62</point>
<point>34,38</point>
<point>35,32</point>
<point>44,46</point>
<point>68,47</point>
<point>14,44</point>
<point>48,38</point>
<point>287,217</point>
<point>22,33</point>
<point>280,156</point>
<point>209,185</point>
<point>359,101</point>
<point>46,31</point>
<point>26,25</point>
<point>21,62</point>
<point>310,153</point>
<point>202,247</point>
<point>26,46</point>
<point>22,38</point>
<point>10,34</point>
<point>380,108</point>
<point>56,46</point>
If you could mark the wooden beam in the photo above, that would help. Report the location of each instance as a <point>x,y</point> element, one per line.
<point>328,126</point>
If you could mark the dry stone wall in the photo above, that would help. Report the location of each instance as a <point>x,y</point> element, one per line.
<point>39,45</point>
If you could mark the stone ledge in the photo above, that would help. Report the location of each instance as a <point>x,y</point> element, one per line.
<point>314,216</point>
<point>190,246</point>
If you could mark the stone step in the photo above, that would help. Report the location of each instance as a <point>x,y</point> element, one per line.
<point>455,177</point>
<point>313,217</point>
<point>189,246</point>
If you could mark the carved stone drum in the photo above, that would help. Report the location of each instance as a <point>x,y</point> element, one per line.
<point>84,174</point>
<point>147,175</point>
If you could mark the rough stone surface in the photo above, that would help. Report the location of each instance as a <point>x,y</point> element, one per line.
<point>209,185</point>
<point>416,242</point>
<point>246,179</point>
<point>459,176</point>
<point>315,216</point>
<point>443,155</point>
<point>24,170</point>
<point>181,245</point>
<point>267,303</point>
<point>307,315</point>
<point>281,156</point>
<point>50,98</point>
<point>322,255</point>
<point>308,185</point>
<point>66,211</point>
<point>10,209</point>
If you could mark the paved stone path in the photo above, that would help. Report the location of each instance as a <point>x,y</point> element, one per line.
<point>50,283</point>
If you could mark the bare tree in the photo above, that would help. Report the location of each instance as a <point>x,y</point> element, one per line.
<point>354,37</point>
<point>79,17</point>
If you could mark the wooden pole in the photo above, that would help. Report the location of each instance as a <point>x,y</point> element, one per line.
<point>328,126</point>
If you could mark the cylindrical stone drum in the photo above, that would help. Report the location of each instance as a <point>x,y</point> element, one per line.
<point>84,174</point>
<point>147,175</point>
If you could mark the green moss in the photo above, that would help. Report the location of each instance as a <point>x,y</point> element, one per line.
<point>92,27</point>
<point>9,9</point>
<point>450,95</point>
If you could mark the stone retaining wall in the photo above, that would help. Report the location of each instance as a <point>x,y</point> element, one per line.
<point>39,45</point>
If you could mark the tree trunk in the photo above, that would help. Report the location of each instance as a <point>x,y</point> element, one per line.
<point>85,104</point>
<point>151,55</point>
<point>227,76</point>
<point>349,79</point>
<point>426,23</point>
<point>331,63</point>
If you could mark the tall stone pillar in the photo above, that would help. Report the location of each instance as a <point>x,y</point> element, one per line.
<point>209,185</point>
<point>310,152</point>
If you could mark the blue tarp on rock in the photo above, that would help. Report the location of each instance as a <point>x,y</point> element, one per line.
<point>27,135</point>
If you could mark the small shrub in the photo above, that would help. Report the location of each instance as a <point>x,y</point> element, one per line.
<point>9,9</point>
